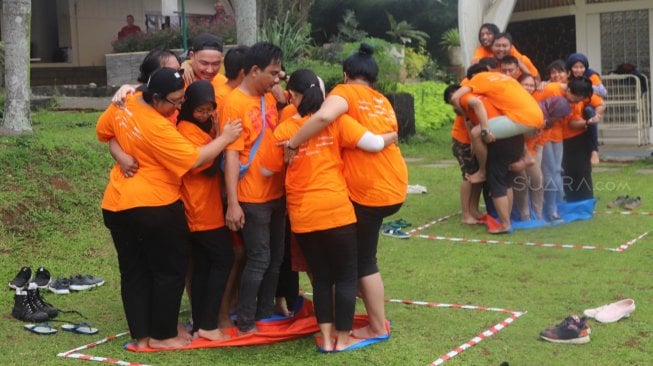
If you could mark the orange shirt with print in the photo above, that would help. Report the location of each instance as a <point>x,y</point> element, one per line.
<point>577,114</point>
<point>458,130</point>
<point>482,52</point>
<point>254,187</point>
<point>202,195</point>
<point>380,178</point>
<point>316,189</point>
<point>509,97</point>
<point>553,89</point>
<point>287,112</point>
<point>163,155</point>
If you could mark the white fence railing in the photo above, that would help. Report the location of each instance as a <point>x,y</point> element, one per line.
<point>628,106</point>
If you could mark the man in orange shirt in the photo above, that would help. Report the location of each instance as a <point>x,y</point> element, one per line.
<point>255,203</point>
<point>205,59</point>
<point>502,46</point>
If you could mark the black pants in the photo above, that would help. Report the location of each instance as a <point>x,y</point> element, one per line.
<point>288,285</point>
<point>577,168</point>
<point>331,255</point>
<point>500,154</point>
<point>152,255</point>
<point>369,220</point>
<point>213,257</point>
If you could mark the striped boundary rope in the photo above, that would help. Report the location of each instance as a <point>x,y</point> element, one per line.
<point>458,350</point>
<point>620,248</point>
<point>626,213</point>
<point>444,218</point>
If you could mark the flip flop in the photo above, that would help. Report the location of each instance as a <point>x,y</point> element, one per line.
<point>81,328</point>
<point>395,233</point>
<point>41,328</point>
<point>366,343</point>
<point>403,223</point>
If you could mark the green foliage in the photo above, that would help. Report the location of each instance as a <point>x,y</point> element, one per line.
<point>450,39</point>
<point>433,72</point>
<point>348,28</point>
<point>293,36</point>
<point>387,57</point>
<point>415,61</point>
<point>173,39</point>
<point>330,73</point>
<point>404,32</point>
<point>431,113</point>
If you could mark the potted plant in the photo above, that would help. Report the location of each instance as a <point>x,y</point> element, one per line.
<point>450,41</point>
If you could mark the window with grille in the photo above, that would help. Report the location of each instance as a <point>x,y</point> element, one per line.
<point>625,39</point>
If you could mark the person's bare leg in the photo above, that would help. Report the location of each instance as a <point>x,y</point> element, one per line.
<point>502,205</point>
<point>327,336</point>
<point>280,306</point>
<point>371,287</point>
<point>469,211</point>
<point>536,187</point>
<point>474,200</point>
<point>594,159</point>
<point>142,343</point>
<point>520,186</point>
<point>480,151</point>
<point>231,289</point>
<point>345,340</point>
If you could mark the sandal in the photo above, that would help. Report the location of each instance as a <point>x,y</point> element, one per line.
<point>81,328</point>
<point>395,233</point>
<point>41,328</point>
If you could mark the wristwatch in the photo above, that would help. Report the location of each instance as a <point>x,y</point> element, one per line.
<point>484,132</point>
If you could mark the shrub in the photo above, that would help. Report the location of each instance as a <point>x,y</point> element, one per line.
<point>387,56</point>
<point>431,112</point>
<point>330,73</point>
<point>292,36</point>
<point>415,61</point>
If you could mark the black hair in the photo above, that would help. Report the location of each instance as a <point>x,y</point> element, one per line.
<point>448,92</point>
<point>162,82</point>
<point>524,76</point>
<point>361,64</point>
<point>206,41</point>
<point>558,65</point>
<point>505,35</point>
<point>233,61</point>
<point>475,69</point>
<point>198,93</point>
<point>509,59</point>
<point>305,82</point>
<point>261,54</point>
<point>491,27</point>
<point>489,62</point>
<point>580,87</point>
<point>153,61</point>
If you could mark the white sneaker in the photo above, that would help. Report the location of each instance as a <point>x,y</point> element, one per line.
<point>611,313</point>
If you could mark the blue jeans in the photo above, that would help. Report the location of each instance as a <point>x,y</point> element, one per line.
<point>263,235</point>
<point>552,177</point>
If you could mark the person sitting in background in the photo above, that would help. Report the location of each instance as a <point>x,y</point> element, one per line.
<point>129,29</point>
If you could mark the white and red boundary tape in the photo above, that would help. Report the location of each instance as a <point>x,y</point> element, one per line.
<point>444,218</point>
<point>620,248</point>
<point>449,355</point>
<point>627,213</point>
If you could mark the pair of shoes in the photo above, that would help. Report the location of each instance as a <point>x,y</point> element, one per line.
<point>572,330</point>
<point>619,202</point>
<point>62,286</point>
<point>41,278</point>
<point>396,224</point>
<point>395,233</point>
<point>633,203</point>
<point>30,306</point>
<point>611,313</point>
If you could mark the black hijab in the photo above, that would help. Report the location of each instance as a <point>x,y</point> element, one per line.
<point>198,93</point>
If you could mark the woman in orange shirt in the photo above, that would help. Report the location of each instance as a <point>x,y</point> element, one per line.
<point>144,212</point>
<point>377,182</point>
<point>201,192</point>
<point>321,214</point>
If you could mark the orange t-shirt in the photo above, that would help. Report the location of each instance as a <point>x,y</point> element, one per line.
<point>553,89</point>
<point>508,97</point>
<point>482,52</point>
<point>221,93</point>
<point>576,114</point>
<point>490,110</point>
<point>459,131</point>
<point>163,155</point>
<point>202,195</point>
<point>287,112</point>
<point>218,80</point>
<point>316,190</point>
<point>254,187</point>
<point>380,178</point>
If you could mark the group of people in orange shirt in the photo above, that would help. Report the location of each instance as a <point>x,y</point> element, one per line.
<point>530,143</point>
<point>189,139</point>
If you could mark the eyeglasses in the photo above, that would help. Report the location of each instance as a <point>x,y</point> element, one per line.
<point>177,104</point>
<point>204,112</point>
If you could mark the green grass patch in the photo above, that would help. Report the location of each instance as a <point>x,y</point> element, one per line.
<point>53,183</point>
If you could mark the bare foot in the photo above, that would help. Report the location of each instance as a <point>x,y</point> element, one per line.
<point>281,308</point>
<point>213,335</point>
<point>326,344</point>
<point>141,343</point>
<point>470,220</point>
<point>340,345</point>
<point>503,229</point>
<point>175,342</point>
<point>366,332</point>
<point>594,159</point>
<point>478,177</point>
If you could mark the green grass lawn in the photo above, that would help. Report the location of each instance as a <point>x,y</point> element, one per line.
<point>52,184</point>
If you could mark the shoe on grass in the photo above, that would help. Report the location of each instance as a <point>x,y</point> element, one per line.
<point>85,282</point>
<point>42,277</point>
<point>395,233</point>
<point>25,310</point>
<point>611,313</point>
<point>60,286</point>
<point>633,203</point>
<point>21,279</point>
<point>573,330</point>
<point>39,303</point>
<point>618,202</point>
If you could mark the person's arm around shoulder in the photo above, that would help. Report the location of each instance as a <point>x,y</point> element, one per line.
<point>375,143</point>
<point>479,110</point>
<point>208,152</point>
<point>128,164</point>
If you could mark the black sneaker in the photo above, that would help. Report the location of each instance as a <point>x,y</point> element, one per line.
<point>42,277</point>
<point>86,282</point>
<point>25,310</point>
<point>60,286</point>
<point>573,330</point>
<point>21,279</point>
<point>34,296</point>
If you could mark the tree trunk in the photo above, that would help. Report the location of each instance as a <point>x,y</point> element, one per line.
<point>16,17</point>
<point>246,25</point>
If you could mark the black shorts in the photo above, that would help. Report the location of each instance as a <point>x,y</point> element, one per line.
<point>466,160</point>
<point>500,154</point>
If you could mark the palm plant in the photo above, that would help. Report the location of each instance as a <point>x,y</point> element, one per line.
<point>348,29</point>
<point>450,39</point>
<point>292,36</point>
<point>405,32</point>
